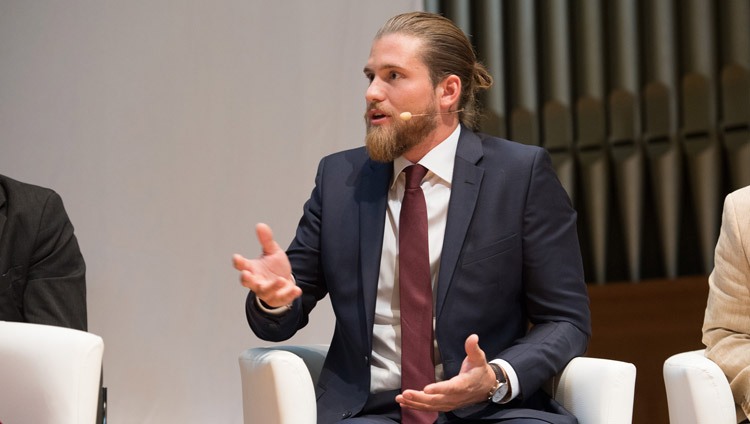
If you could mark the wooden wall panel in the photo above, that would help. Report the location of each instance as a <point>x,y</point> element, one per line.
<point>644,324</point>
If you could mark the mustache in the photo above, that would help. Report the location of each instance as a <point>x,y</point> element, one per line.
<point>379,106</point>
<point>373,105</point>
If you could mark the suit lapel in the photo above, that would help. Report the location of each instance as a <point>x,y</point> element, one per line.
<point>467,179</point>
<point>372,206</point>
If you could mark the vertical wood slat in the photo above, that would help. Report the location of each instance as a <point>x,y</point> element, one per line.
<point>590,122</point>
<point>460,13</point>
<point>699,119</point>
<point>735,88</point>
<point>625,128</point>
<point>490,48</point>
<point>660,126</point>
<point>432,6</point>
<point>687,104</point>
<point>557,81</point>
<point>524,113</point>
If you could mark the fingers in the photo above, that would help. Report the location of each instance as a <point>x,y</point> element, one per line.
<point>474,353</point>
<point>275,291</point>
<point>469,387</point>
<point>267,243</point>
<point>265,237</point>
<point>240,262</point>
<point>443,388</point>
<point>279,298</point>
<point>269,276</point>
<point>415,399</point>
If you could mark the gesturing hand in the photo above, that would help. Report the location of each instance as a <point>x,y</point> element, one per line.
<point>270,275</point>
<point>470,386</point>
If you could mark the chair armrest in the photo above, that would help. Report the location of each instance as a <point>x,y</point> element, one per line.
<point>278,383</point>
<point>697,390</point>
<point>48,374</point>
<point>278,386</point>
<point>596,390</point>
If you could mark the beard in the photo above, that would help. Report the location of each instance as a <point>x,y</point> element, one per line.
<point>385,143</point>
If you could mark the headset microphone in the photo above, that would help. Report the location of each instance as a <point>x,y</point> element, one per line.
<point>405,116</point>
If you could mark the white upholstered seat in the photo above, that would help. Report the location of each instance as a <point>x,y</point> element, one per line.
<point>48,375</point>
<point>697,390</point>
<point>278,386</point>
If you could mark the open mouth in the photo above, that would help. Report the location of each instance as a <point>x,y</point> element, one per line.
<point>377,116</point>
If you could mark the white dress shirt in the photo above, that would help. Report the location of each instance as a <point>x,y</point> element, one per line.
<point>385,363</point>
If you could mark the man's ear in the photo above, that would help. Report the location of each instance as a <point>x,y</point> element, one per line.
<point>449,92</point>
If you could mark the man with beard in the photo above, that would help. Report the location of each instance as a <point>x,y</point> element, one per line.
<point>500,260</point>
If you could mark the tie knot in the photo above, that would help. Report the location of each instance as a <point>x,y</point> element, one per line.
<point>414,175</point>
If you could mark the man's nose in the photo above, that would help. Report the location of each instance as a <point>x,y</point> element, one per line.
<point>374,92</point>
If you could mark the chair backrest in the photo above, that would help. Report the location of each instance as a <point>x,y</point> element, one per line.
<point>697,390</point>
<point>48,375</point>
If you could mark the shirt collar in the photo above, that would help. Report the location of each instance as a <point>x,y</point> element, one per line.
<point>439,160</point>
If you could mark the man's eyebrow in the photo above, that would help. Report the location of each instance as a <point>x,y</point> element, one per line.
<point>386,66</point>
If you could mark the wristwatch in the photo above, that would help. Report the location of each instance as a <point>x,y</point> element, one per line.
<point>500,390</point>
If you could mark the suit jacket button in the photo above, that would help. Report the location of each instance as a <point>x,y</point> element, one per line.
<point>346,414</point>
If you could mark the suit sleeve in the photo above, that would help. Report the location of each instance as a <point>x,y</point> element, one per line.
<point>726,326</point>
<point>555,294</point>
<point>304,255</point>
<point>56,280</point>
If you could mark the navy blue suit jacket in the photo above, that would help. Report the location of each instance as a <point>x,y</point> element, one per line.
<point>510,270</point>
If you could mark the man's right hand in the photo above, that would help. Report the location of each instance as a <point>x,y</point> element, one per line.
<point>270,275</point>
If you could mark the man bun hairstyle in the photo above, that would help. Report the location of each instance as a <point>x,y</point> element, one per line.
<point>446,50</point>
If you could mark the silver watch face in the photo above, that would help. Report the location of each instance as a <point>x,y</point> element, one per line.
<point>500,393</point>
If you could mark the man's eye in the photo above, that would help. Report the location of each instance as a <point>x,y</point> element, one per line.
<point>394,75</point>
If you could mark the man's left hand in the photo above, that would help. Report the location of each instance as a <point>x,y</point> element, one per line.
<point>470,386</point>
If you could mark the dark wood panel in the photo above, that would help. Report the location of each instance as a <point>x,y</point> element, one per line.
<point>645,323</point>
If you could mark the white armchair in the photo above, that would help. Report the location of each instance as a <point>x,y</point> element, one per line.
<point>48,375</point>
<point>697,390</point>
<point>278,386</point>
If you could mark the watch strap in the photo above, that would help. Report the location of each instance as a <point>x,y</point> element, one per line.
<point>500,390</point>
<point>499,374</point>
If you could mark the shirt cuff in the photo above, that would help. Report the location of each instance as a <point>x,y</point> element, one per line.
<point>281,310</point>
<point>512,378</point>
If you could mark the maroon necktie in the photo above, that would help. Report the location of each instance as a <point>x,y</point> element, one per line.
<point>415,290</point>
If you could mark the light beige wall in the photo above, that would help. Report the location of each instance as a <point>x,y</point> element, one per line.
<point>170,128</point>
